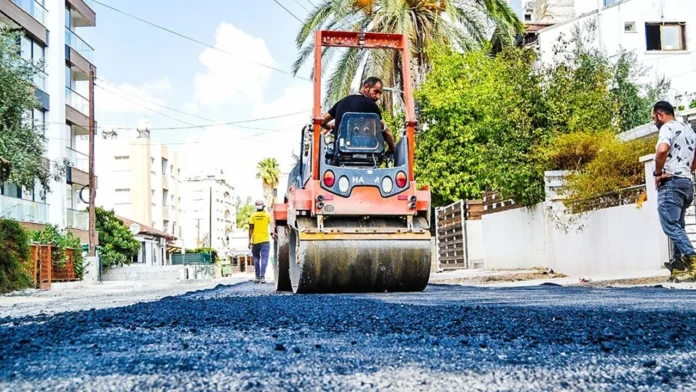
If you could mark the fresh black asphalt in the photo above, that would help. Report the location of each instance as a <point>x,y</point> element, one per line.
<point>248,337</point>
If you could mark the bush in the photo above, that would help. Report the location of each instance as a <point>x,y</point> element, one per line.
<point>15,254</point>
<point>59,242</point>
<point>118,245</point>
<point>600,162</point>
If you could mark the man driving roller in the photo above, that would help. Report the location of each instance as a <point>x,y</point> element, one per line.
<point>365,102</point>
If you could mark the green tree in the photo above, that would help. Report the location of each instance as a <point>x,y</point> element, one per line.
<point>14,257</point>
<point>457,24</point>
<point>268,171</point>
<point>482,118</point>
<point>118,245</point>
<point>21,141</point>
<point>487,122</point>
<point>244,210</point>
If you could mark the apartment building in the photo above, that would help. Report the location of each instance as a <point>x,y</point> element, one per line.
<point>208,196</point>
<point>660,33</point>
<point>50,34</point>
<point>140,180</point>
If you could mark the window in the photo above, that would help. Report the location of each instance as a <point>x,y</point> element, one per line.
<point>122,196</point>
<point>121,157</point>
<point>527,17</point>
<point>610,2</point>
<point>630,27</point>
<point>665,36</point>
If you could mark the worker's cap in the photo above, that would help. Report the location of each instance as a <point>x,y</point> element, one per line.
<point>259,204</point>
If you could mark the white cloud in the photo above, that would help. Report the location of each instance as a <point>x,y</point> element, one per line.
<point>229,79</point>
<point>190,107</point>
<point>236,151</point>
<point>127,98</point>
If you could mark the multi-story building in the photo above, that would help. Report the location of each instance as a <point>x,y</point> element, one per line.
<point>208,197</point>
<point>50,35</point>
<point>658,32</point>
<point>140,181</point>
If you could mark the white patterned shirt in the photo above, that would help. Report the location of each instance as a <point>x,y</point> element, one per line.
<point>682,141</point>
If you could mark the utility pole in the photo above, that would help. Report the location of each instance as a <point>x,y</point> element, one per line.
<point>198,227</point>
<point>92,182</point>
<point>210,221</point>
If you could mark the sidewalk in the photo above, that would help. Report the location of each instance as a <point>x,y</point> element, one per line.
<point>536,277</point>
<point>67,297</point>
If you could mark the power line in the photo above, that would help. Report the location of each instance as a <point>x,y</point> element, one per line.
<point>300,4</point>
<point>194,126</point>
<point>289,12</point>
<point>170,108</point>
<point>153,102</point>
<point>198,41</point>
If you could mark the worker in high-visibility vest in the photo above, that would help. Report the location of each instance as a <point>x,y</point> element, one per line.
<point>260,240</point>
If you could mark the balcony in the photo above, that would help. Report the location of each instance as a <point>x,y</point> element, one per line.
<point>82,13</point>
<point>33,8</point>
<point>78,219</point>
<point>23,210</point>
<point>81,47</point>
<point>76,108</point>
<point>165,213</point>
<point>27,14</point>
<point>78,160</point>
<point>165,182</point>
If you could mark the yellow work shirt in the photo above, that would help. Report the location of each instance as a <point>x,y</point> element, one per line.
<point>261,221</point>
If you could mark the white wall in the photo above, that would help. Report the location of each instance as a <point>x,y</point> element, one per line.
<point>474,242</point>
<point>514,239</point>
<point>611,241</point>
<point>679,67</point>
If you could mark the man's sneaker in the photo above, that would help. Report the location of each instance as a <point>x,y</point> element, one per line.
<point>689,275</point>
<point>256,280</point>
<point>263,280</point>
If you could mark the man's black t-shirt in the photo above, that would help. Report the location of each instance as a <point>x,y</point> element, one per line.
<point>353,103</point>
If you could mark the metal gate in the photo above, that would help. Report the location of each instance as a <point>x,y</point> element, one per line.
<point>450,234</point>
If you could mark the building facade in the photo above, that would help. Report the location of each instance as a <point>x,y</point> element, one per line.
<point>660,33</point>
<point>205,197</point>
<point>140,181</point>
<point>50,34</point>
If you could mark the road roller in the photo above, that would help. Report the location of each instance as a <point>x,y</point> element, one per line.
<point>354,218</point>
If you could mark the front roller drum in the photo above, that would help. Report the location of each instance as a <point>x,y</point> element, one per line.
<point>280,268</point>
<point>358,266</point>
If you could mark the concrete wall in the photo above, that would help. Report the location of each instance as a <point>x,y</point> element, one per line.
<point>145,273</point>
<point>515,238</point>
<point>614,240</point>
<point>474,241</point>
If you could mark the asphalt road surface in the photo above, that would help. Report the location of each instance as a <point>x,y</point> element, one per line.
<point>247,337</point>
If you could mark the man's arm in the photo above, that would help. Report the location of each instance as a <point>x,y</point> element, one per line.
<point>251,233</point>
<point>661,157</point>
<point>326,120</point>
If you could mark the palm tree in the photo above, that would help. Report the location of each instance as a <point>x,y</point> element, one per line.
<point>268,171</point>
<point>460,24</point>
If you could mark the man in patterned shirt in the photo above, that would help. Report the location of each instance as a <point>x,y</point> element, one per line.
<point>674,163</point>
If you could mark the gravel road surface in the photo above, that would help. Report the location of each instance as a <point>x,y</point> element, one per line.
<point>247,337</point>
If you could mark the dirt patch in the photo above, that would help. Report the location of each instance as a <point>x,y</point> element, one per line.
<point>511,277</point>
<point>624,282</point>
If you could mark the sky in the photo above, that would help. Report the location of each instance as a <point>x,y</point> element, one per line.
<point>153,65</point>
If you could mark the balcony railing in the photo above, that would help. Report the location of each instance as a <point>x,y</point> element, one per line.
<point>39,80</point>
<point>23,210</point>
<point>77,101</point>
<point>74,41</point>
<point>33,8</point>
<point>78,160</point>
<point>78,220</point>
<point>165,213</point>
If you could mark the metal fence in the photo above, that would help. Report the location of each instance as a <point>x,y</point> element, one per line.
<point>191,259</point>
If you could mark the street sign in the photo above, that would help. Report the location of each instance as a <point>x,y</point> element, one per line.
<point>134,228</point>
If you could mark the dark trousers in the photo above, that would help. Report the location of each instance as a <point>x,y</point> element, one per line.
<point>260,254</point>
<point>674,197</point>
